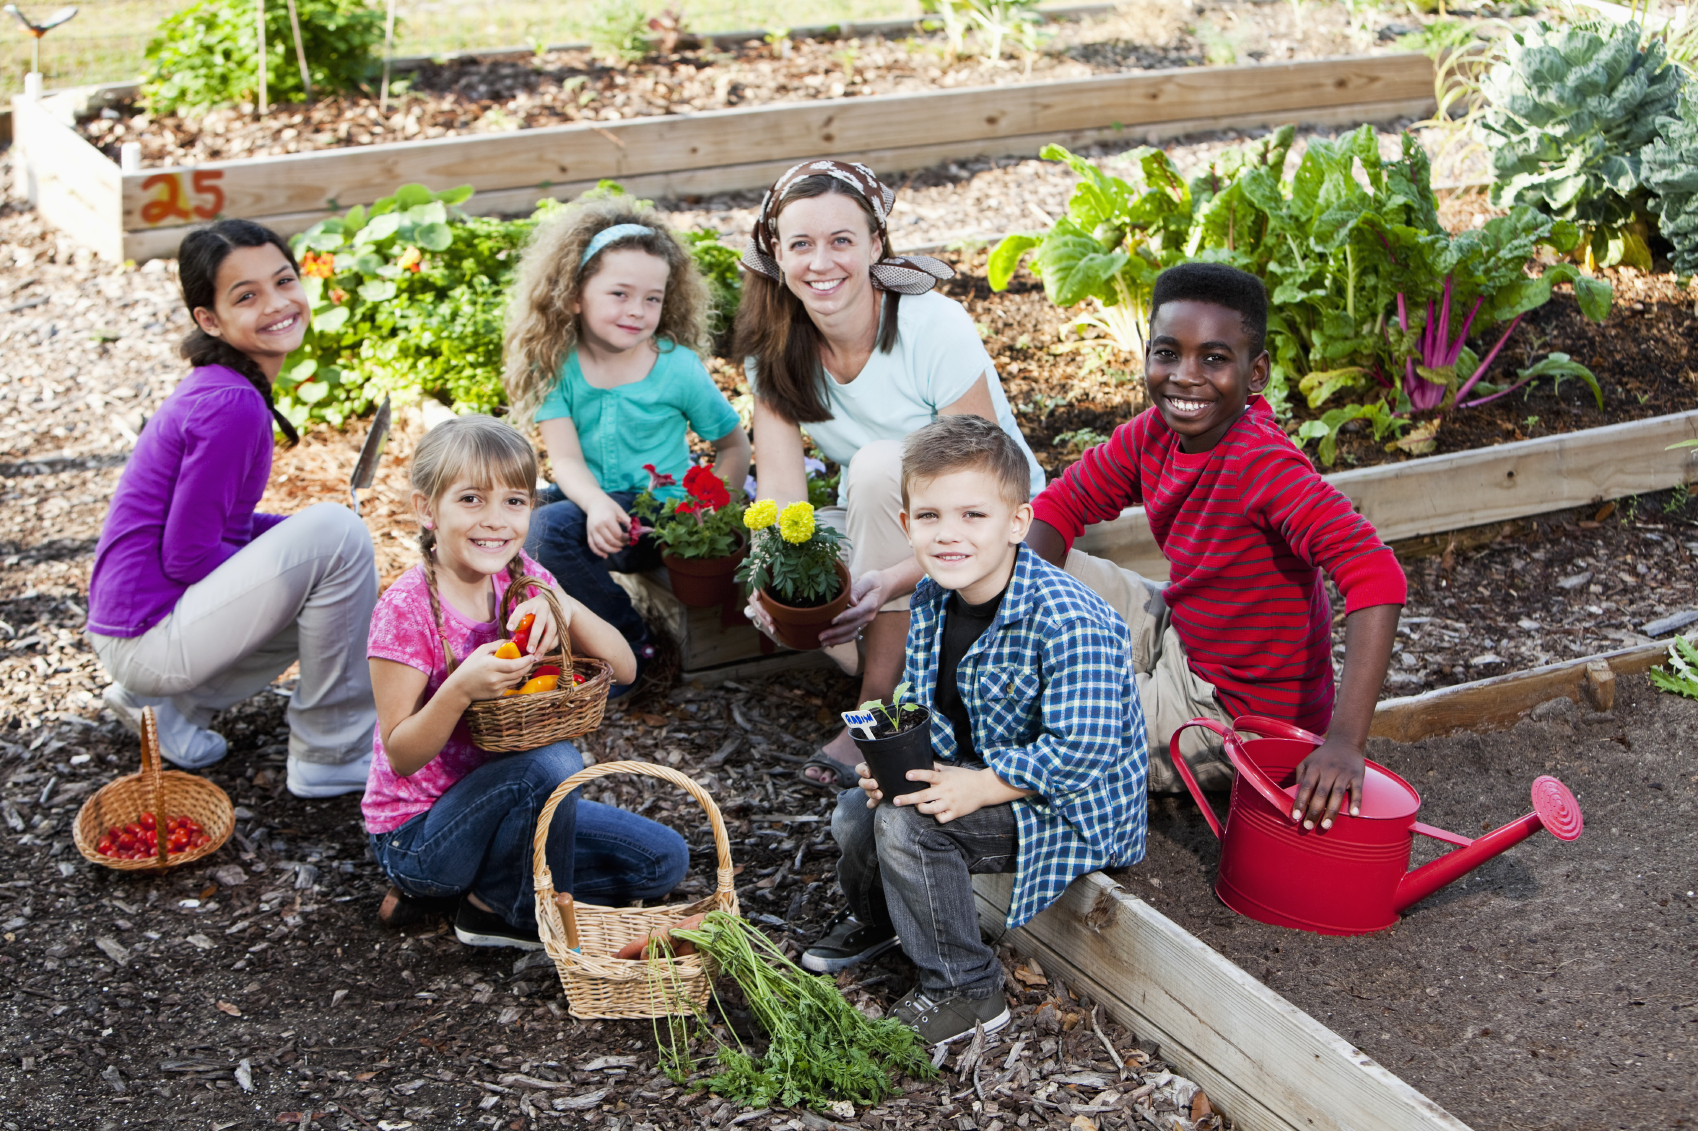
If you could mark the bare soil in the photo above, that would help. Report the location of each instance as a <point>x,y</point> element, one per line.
<point>472,96</point>
<point>1554,986</point>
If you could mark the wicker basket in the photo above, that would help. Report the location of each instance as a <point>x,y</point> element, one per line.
<point>525,722</point>
<point>597,984</point>
<point>165,794</point>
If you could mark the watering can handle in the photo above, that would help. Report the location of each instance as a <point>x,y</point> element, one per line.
<point>1241,760</point>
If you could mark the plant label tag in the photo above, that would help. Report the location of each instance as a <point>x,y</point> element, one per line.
<point>862,721</point>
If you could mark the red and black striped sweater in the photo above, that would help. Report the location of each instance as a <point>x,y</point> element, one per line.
<point>1247,526</point>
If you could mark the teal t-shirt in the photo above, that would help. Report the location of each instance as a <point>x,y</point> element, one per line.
<point>622,429</point>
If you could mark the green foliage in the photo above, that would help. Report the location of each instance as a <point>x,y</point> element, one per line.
<point>705,522</point>
<point>793,558</point>
<point>822,1049</point>
<point>1669,167</point>
<point>1362,276</point>
<point>1570,108</point>
<point>619,30</point>
<point>413,305</point>
<point>1681,673</point>
<point>724,278</point>
<point>205,54</point>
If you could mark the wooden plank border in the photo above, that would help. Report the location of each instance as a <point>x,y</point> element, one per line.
<point>707,152</point>
<point>1509,481</point>
<point>66,179</point>
<point>1503,700</point>
<point>1262,1060</point>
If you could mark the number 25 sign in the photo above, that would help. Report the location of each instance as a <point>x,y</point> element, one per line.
<point>172,201</point>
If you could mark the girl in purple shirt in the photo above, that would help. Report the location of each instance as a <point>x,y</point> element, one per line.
<point>198,602</point>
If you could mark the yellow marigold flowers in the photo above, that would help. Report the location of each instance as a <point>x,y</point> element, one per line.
<point>796,524</point>
<point>762,515</point>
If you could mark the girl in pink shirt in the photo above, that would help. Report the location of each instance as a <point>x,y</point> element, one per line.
<point>447,820</point>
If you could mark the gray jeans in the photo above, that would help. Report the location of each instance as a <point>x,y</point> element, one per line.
<point>902,868</point>
<point>303,590</point>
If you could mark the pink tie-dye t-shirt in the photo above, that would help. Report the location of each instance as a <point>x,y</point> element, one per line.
<point>403,630</point>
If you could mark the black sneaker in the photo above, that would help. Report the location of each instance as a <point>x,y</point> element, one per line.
<point>954,1017</point>
<point>847,943</point>
<point>476,927</point>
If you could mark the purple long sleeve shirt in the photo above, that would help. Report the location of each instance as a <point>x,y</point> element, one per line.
<point>185,502</point>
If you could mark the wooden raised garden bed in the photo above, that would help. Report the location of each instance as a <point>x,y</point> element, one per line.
<point>143,214</point>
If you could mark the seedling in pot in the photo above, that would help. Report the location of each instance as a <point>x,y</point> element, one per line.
<point>896,716</point>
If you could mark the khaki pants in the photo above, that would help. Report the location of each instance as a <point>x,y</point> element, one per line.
<point>303,590</point>
<point>1170,692</point>
<point>871,522</point>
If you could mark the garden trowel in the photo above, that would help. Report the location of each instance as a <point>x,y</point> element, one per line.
<point>365,469</point>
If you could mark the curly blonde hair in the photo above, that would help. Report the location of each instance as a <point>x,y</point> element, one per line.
<point>542,331</point>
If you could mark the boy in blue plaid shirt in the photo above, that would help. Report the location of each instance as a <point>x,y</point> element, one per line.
<point>1035,725</point>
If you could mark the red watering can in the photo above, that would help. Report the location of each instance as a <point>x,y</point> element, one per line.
<point>1351,878</point>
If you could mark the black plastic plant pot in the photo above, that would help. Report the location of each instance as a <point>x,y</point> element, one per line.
<point>891,758</point>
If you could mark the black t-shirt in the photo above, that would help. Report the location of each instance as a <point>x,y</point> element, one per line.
<point>962,625</point>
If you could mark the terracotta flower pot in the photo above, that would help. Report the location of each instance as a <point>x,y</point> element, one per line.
<point>800,628</point>
<point>704,583</point>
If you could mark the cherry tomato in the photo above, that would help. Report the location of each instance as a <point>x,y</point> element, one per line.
<point>148,822</point>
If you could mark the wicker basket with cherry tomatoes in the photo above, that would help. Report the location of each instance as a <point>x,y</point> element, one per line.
<point>118,827</point>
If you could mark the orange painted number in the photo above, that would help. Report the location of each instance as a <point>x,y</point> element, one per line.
<point>206,184</point>
<point>169,204</point>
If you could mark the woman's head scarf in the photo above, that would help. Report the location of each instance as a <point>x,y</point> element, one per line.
<point>904,274</point>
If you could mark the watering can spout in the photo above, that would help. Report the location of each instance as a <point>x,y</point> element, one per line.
<point>1554,809</point>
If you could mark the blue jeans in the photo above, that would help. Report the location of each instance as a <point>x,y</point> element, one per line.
<point>477,838</point>
<point>559,539</point>
<point>901,868</point>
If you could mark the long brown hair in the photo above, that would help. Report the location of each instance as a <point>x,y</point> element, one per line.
<point>485,449</point>
<point>774,329</point>
<point>542,331</point>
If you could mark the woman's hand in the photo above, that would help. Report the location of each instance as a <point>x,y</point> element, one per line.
<point>867,594</point>
<point>608,527</point>
<point>544,634</point>
<point>758,616</point>
<point>484,675</point>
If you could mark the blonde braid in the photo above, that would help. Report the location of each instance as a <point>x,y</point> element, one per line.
<point>427,547</point>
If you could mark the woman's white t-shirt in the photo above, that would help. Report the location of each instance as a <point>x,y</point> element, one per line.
<point>936,359</point>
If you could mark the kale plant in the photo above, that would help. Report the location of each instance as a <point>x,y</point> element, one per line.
<point>1570,108</point>
<point>1669,166</point>
<point>205,55</point>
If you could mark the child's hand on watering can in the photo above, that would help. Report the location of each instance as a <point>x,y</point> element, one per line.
<point>1323,778</point>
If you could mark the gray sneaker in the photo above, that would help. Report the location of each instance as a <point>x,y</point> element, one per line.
<point>847,942</point>
<point>939,1022</point>
<point>180,742</point>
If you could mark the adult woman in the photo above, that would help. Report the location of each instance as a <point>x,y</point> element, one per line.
<point>197,602</point>
<point>853,344</point>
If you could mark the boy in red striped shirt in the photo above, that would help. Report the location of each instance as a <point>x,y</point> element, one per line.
<point>1243,627</point>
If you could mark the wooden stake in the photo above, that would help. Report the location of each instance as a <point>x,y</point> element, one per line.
<point>388,54</point>
<point>300,50</point>
<point>259,7</point>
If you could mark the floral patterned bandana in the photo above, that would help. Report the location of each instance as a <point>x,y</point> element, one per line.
<point>904,274</point>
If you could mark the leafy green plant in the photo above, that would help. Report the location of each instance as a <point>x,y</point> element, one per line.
<point>1570,108</point>
<point>205,54</point>
<point>724,278</point>
<point>619,30</point>
<point>1669,167</point>
<point>821,1051</point>
<point>408,298</point>
<point>1680,675</point>
<point>901,704</point>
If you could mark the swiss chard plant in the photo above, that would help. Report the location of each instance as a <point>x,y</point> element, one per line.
<point>1569,108</point>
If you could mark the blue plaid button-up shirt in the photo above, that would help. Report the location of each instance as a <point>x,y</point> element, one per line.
<point>1049,692</point>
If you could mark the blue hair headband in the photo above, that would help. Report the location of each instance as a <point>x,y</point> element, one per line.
<point>608,235</point>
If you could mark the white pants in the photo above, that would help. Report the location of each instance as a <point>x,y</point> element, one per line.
<point>871,521</point>
<point>303,590</point>
<point>1168,690</point>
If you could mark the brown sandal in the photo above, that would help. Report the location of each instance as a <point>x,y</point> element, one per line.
<point>399,909</point>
